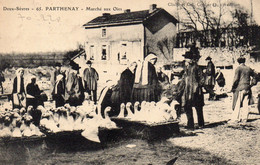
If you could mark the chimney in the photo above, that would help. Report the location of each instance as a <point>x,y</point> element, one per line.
<point>106,14</point>
<point>152,8</point>
<point>127,11</point>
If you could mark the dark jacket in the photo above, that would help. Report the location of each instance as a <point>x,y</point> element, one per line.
<point>242,78</point>
<point>74,92</point>
<point>126,83</point>
<point>192,94</point>
<point>243,82</point>
<point>210,74</point>
<point>33,90</point>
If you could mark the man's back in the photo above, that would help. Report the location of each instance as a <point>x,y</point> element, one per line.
<point>242,77</point>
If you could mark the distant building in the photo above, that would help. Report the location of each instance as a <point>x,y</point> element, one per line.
<point>129,36</point>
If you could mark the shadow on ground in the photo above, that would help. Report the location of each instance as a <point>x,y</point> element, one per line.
<point>81,151</point>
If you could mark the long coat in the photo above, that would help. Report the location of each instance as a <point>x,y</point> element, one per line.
<point>242,81</point>
<point>58,93</point>
<point>125,84</point>
<point>18,99</point>
<point>90,77</point>
<point>74,92</point>
<point>21,86</point>
<point>210,74</point>
<point>149,92</point>
<point>192,94</point>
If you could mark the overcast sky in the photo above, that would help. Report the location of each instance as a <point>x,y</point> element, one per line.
<point>50,31</point>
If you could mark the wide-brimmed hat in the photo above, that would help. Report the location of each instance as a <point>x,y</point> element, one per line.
<point>74,65</point>
<point>88,62</point>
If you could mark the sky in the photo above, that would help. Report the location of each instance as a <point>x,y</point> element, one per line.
<point>33,31</point>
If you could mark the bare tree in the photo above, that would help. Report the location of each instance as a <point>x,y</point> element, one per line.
<point>166,47</point>
<point>207,20</point>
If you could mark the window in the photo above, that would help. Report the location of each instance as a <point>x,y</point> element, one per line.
<point>124,50</point>
<point>104,52</point>
<point>104,33</point>
<point>92,52</point>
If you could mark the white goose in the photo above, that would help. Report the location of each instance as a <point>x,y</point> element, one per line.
<point>122,111</point>
<point>141,114</point>
<point>106,122</point>
<point>48,122</point>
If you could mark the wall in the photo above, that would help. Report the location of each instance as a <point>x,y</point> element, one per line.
<point>131,35</point>
<point>167,31</point>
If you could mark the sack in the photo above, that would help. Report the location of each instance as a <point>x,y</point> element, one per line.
<point>221,82</point>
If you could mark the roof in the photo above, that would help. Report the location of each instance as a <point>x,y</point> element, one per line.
<point>125,18</point>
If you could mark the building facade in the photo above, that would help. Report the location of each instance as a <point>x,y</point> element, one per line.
<point>130,36</point>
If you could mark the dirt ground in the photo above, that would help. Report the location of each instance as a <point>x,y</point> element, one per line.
<point>218,143</point>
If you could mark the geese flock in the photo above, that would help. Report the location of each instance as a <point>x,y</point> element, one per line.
<point>18,123</point>
<point>86,118</point>
<point>149,112</point>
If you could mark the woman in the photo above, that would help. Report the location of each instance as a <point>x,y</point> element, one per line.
<point>146,82</point>
<point>18,89</point>
<point>59,91</point>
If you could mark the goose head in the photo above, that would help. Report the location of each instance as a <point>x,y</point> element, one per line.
<point>122,110</point>
<point>29,108</point>
<point>106,111</point>
<point>136,106</point>
<point>129,111</point>
<point>143,105</point>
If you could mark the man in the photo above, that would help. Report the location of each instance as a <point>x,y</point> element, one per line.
<point>210,78</point>
<point>244,79</point>
<point>192,94</point>
<point>74,91</point>
<point>162,77</point>
<point>90,78</point>
<point>58,92</point>
<point>56,72</point>
<point>33,94</point>
<point>2,79</point>
<point>126,83</point>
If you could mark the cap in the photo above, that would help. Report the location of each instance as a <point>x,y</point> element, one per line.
<point>89,62</point>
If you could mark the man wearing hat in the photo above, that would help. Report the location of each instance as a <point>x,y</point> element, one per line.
<point>210,78</point>
<point>74,91</point>
<point>192,94</point>
<point>244,79</point>
<point>90,78</point>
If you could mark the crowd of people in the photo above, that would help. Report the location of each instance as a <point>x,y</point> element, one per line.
<point>141,82</point>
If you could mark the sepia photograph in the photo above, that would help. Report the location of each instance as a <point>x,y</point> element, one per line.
<point>93,82</point>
